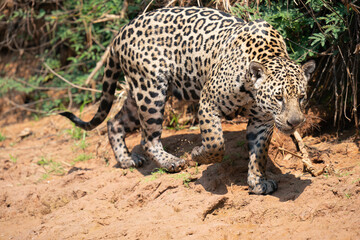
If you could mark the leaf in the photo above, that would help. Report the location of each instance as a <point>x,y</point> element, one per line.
<point>41,14</point>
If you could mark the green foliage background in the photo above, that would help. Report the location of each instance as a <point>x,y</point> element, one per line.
<point>298,26</point>
<point>71,36</point>
<point>74,40</point>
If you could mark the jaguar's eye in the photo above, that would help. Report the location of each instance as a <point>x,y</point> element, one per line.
<point>302,97</point>
<point>279,98</point>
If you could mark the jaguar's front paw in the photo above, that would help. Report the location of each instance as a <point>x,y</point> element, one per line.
<point>199,155</point>
<point>135,160</point>
<point>169,162</point>
<point>263,187</point>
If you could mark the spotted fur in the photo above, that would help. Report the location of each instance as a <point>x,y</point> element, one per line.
<point>203,55</point>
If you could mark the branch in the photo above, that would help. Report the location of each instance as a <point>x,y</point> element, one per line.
<point>149,6</point>
<point>170,3</point>
<point>38,88</point>
<point>305,157</point>
<point>290,152</point>
<point>24,108</point>
<point>108,17</point>
<point>124,9</point>
<point>99,64</point>
<point>68,82</point>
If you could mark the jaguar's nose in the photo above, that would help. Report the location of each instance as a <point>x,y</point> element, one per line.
<point>295,121</point>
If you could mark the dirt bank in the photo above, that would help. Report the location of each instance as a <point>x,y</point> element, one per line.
<point>53,186</point>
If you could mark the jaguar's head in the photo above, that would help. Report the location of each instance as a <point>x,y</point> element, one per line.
<point>280,87</point>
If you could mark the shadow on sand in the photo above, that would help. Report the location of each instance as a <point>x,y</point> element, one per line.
<point>218,177</point>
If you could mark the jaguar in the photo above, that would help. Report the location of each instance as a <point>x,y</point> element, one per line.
<point>229,66</point>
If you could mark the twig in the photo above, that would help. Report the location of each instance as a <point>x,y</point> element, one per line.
<point>277,152</point>
<point>54,47</point>
<point>309,50</point>
<point>107,17</point>
<point>227,5</point>
<point>24,108</point>
<point>148,6</point>
<point>88,33</point>
<point>124,9</point>
<point>68,82</point>
<point>292,153</point>
<point>70,98</point>
<point>99,64</point>
<point>38,88</point>
<point>67,164</point>
<point>337,96</point>
<point>170,3</point>
<point>98,43</point>
<point>350,77</point>
<point>26,104</point>
<point>316,88</point>
<point>3,5</point>
<point>334,11</point>
<point>314,17</point>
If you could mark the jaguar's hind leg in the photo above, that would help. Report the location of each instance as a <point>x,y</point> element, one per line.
<point>213,145</point>
<point>151,111</point>
<point>125,121</point>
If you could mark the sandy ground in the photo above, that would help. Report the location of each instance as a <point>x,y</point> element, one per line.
<point>55,187</point>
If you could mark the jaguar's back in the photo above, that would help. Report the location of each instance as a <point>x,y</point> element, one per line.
<point>178,45</point>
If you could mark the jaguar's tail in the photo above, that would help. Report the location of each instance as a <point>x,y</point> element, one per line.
<point>111,75</point>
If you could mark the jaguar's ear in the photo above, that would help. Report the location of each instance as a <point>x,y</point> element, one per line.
<point>308,68</point>
<point>257,72</point>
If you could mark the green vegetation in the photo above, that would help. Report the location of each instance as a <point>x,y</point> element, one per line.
<point>77,133</point>
<point>159,171</point>
<point>227,159</point>
<point>13,159</point>
<point>348,195</point>
<point>240,143</point>
<point>107,161</point>
<point>2,137</point>
<point>67,38</point>
<point>186,178</point>
<point>35,117</point>
<point>174,122</point>
<point>343,174</point>
<point>51,167</point>
<point>196,168</point>
<point>83,157</point>
<point>82,144</point>
<point>327,32</point>
<point>297,22</point>
<point>356,181</point>
<point>156,174</point>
